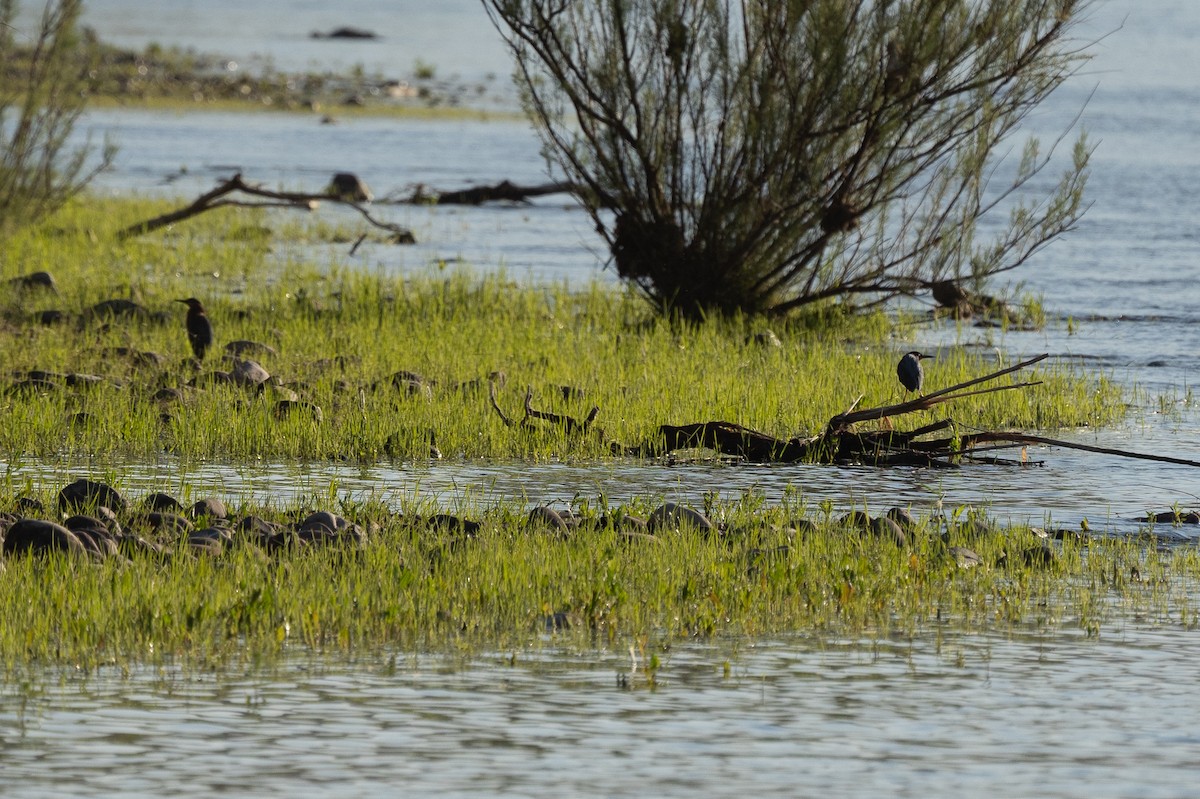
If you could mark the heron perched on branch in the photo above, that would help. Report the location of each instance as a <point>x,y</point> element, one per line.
<point>909,371</point>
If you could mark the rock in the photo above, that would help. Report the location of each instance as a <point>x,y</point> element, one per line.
<point>672,516</point>
<point>544,517</point>
<point>248,373</point>
<point>243,347</point>
<point>445,521</point>
<point>78,380</point>
<point>162,502</point>
<point>84,494</point>
<point>888,530</point>
<point>34,280</point>
<point>117,308</point>
<point>903,518</point>
<point>141,359</point>
<point>288,407</point>
<point>257,527</point>
<point>35,536</point>
<point>208,542</point>
<point>321,520</point>
<point>208,508</point>
<point>856,520</point>
<point>51,316</point>
<point>82,522</point>
<point>965,558</point>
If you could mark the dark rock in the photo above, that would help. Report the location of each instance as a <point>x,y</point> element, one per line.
<point>168,395</point>
<point>77,380</point>
<point>35,536</point>
<point>242,347</point>
<point>51,316</point>
<point>903,518</point>
<point>162,523</point>
<point>209,541</point>
<point>210,379</point>
<point>85,494</point>
<point>162,502</point>
<point>248,373</point>
<point>445,521</point>
<point>117,308</point>
<point>208,508</point>
<point>287,407</point>
<point>965,558</point>
<point>856,520</point>
<point>321,520</point>
<point>557,622</point>
<point>672,516</point>
<point>34,280</point>
<point>257,527</point>
<point>30,505</point>
<point>82,522</point>
<point>888,530</point>
<point>544,517</point>
<point>132,546</point>
<point>624,522</point>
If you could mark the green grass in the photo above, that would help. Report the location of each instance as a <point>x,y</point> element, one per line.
<point>639,371</point>
<point>413,587</point>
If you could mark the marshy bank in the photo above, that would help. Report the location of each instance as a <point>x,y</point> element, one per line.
<point>130,581</point>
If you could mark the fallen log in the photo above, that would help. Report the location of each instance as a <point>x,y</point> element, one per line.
<point>219,198</point>
<point>839,443</point>
<point>504,191</point>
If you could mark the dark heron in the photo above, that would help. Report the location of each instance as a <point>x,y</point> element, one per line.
<point>909,370</point>
<point>199,329</point>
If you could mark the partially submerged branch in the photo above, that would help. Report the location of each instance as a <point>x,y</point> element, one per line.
<point>303,201</point>
<point>840,443</point>
<point>504,191</point>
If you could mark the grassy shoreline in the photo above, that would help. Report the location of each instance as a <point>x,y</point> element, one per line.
<point>366,364</point>
<point>513,583</point>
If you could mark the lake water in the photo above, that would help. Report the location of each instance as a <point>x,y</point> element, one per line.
<point>1008,713</point>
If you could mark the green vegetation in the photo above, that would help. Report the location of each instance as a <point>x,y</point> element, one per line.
<point>513,586</point>
<point>340,334</point>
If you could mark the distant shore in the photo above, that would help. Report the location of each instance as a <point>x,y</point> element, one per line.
<point>172,78</point>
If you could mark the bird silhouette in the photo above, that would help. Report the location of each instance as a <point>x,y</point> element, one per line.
<point>199,329</point>
<point>909,371</point>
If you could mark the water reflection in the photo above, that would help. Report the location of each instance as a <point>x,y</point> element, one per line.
<point>1025,714</point>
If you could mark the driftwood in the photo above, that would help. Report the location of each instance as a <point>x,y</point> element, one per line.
<point>839,443</point>
<point>219,198</point>
<point>504,191</point>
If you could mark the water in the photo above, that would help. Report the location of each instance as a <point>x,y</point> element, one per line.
<point>1004,713</point>
<point>975,715</point>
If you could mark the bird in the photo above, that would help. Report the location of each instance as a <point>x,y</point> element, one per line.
<point>909,371</point>
<point>199,329</point>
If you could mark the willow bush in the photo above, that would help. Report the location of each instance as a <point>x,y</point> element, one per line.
<point>44,79</point>
<point>760,155</point>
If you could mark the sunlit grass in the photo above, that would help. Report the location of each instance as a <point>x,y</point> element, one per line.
<point>340,332</point>
<point>515,587</point>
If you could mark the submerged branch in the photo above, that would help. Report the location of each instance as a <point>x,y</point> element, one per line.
<point>303,201</point>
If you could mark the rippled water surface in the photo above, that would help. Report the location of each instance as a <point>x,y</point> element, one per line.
<point>980,715</point>
<point>953,715</point>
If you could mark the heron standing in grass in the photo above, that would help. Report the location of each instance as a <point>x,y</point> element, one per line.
<point>909,371</point>
<point>199,329</point>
